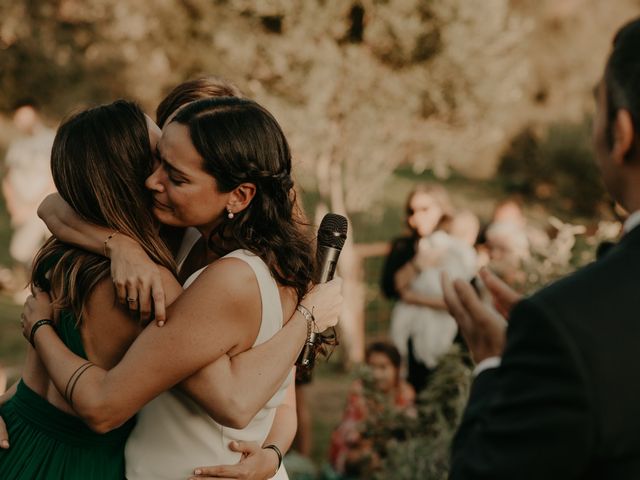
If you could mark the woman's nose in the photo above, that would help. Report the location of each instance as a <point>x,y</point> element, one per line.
<point>154,181</point>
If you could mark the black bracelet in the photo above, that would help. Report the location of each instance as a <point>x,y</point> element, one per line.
<point>36,326</point>
<point>278,452</point>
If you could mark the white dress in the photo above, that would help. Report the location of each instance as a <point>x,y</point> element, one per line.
<point>174,434</point>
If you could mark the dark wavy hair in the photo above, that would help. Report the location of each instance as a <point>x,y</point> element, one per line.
<point>99,162</point>
<point>241,142</point>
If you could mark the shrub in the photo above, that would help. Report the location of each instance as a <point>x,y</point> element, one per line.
<point>558,164</point>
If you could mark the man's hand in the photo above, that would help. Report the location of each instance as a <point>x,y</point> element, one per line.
<point>504,297</point>
<point>257,463</point>
<point>482,327</point>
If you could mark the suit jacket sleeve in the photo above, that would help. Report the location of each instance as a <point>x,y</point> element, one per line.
<point>531,418</point>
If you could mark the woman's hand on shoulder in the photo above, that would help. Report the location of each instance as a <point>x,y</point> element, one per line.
<point>36,307</point>
<point>137,279</point>
<point>324,300</point>
<point>257,463</point>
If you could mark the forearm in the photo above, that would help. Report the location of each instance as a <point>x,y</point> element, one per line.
<point>234,389</point>
<point>404,276</point>
<point>61,364</point>
<point>69,227</point>
<point>285,422</point>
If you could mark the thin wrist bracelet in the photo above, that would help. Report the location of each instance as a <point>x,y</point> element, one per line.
<point>308,316</point>
<point>106,242</point>
<point>306,313</point>
<point>278,452</point>
<point>36,326</point>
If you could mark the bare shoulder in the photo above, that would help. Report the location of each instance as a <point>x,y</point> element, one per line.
<point>230,276</point>
<point>229,287</point>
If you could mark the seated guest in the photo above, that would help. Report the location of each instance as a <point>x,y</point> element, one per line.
<point>350,450</point>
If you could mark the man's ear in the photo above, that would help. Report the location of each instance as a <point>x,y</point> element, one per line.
<point>623,136</point>
<point>240,197</point>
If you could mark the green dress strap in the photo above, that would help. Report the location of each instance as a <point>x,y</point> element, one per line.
<point>69,333</point>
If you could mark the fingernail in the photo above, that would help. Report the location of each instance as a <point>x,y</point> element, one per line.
<point>4,444</point>
<point>161,324</point>
<point>197,471</point>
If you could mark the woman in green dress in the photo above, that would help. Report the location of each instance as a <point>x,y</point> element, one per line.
<point>100,158</point>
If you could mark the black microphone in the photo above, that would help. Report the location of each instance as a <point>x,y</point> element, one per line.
<point>331,237</point>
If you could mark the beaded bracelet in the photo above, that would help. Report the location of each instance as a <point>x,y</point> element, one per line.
<point>308,315</point>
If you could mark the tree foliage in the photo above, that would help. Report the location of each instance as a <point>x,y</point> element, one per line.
<point>361,86</point>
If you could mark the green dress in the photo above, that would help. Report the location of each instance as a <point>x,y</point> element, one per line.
<point>47,443</point>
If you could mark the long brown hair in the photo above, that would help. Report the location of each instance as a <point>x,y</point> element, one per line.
<point>99,161</point>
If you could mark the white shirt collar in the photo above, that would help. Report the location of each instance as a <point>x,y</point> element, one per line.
<point>632,222</point>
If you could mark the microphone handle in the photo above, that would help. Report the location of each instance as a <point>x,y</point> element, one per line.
<point>328,261</point>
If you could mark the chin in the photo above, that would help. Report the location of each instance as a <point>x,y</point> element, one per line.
<point>166,218</point>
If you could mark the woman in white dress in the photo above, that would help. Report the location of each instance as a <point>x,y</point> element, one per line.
<point>224,168</point>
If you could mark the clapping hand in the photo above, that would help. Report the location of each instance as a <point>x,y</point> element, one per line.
<point>482,326</point>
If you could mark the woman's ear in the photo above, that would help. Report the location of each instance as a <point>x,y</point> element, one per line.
<point>240,197</point>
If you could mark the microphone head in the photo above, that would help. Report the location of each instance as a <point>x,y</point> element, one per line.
<point>333,231</point>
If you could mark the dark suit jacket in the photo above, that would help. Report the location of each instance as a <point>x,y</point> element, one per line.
<point>565,403</point>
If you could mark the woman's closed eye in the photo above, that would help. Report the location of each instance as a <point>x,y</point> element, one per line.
<point>177,181</point>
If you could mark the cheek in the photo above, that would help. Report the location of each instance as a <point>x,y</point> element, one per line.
<point>390,375</point>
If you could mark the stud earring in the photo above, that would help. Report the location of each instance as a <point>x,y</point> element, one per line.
<point>230,214</point>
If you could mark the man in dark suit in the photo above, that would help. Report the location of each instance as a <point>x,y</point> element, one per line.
<point>557,393</point>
